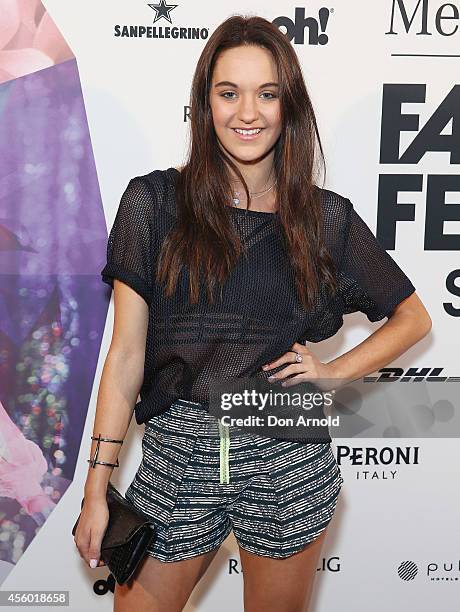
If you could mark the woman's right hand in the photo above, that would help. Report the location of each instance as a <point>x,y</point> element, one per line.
<point>91,528</point>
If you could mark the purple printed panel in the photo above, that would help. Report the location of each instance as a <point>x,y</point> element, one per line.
<point>53,304</point>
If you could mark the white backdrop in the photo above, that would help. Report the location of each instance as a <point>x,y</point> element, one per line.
<point>136,91</point>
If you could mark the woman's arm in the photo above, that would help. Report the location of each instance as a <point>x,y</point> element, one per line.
<point>120,382</point>
<point>408,324</point>
<point>119,387</point>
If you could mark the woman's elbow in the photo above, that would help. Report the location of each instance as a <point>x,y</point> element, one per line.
<point>413,309</point>
<point>424,325</point>
<point>424,322</point>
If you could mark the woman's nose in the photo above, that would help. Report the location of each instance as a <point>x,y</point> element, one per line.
<point>247,110</point>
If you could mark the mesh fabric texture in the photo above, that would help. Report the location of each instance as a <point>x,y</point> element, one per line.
<point>259,315</point>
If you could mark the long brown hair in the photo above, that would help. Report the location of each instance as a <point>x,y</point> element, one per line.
<point>203,238</point>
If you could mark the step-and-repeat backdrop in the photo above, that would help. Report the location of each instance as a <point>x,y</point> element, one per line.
<point>94,93</point>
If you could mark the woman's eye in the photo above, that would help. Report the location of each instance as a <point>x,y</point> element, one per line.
<point>270,94</point>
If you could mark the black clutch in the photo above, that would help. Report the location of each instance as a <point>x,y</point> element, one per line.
<point>129,532</point>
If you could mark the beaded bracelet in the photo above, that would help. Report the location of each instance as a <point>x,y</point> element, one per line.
<point>94,461</point>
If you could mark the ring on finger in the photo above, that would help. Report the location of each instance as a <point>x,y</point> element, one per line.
<point>298,357</point>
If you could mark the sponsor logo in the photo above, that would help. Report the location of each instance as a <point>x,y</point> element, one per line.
<point>410,375</point>
<point>296,29</point>
<point>327,564</point>
<point>101,587</point>
<point>407,570</point>
<point>162,13</point>
<point>434,571</point>
<point>404,15</point>
<point>377,463</point>
<point>423,137</point>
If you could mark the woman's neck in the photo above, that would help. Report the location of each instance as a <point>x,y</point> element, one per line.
<point>258,176</point>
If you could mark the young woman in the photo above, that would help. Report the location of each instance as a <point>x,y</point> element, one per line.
<point>221,269</point>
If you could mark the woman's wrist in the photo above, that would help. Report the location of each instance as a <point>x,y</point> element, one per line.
<point>95,493</point>
<point>336,368</point>
<point>97,482</point>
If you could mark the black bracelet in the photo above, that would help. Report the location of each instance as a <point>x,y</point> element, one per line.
<point>106,439</point>
<point>94,461</point>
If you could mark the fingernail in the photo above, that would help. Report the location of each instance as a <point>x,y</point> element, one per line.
<point>93,563</point>
<point>272,377</point>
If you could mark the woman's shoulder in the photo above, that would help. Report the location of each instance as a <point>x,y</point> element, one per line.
<point>160,178</point>
<point>336,215</point>
<point>158,188</point>
<point>334,203</point>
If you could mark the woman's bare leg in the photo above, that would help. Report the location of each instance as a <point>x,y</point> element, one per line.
<point>158,586</point>
<point>280,585</point>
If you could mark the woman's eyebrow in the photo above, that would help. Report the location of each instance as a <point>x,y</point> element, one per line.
<point>230,84</point>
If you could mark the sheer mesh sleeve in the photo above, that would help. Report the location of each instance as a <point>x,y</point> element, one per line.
<point>129,243</point>
<point>373,282</point>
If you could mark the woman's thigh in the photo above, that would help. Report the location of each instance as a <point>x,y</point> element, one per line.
<point>158,586</point>
<point>280,585</point>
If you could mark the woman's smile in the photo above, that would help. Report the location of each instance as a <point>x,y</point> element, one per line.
<point>247,133</point>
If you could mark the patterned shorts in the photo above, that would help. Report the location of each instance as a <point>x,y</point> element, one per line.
<point>276,495</point>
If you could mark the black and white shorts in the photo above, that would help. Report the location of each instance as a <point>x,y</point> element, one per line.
<point>276,495</point>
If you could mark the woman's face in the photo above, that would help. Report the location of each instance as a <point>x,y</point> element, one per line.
<point>244,96</point>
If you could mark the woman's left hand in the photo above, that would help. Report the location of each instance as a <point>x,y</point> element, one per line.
<point>309,369</point>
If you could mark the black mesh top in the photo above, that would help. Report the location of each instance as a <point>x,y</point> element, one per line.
<point>260,315</point>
